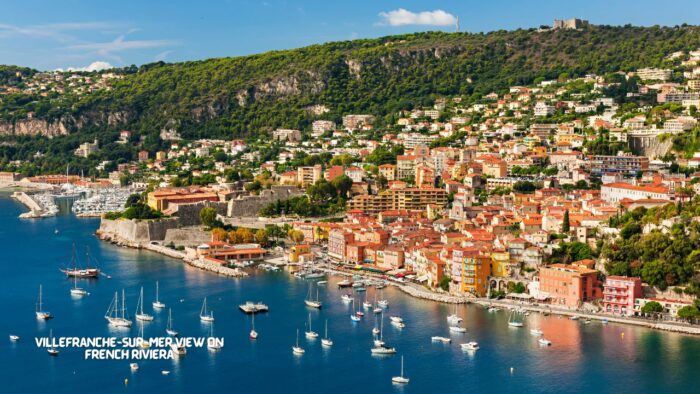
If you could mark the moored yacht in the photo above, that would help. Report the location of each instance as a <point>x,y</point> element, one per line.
<point>113,315</point>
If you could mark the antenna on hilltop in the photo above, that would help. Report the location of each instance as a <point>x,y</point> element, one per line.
<point>457,25</point>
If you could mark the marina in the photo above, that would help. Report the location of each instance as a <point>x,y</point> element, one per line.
<point>581,356</point>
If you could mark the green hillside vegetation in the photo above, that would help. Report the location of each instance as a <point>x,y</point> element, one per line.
<point>245,97</point>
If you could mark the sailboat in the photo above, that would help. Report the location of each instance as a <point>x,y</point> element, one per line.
<point>454,318</point>
<point>359,311</point>
<point>326,341</point>
<point>112,315</point>
<point>311,334</point>
<point>51,350</point>
<point>310,302</point>
<point>400,379</point>
<point>513,320</point>
<point>382,303</point>
<point>157,304</point>
<point>253,333</point>
<point>77,291</point>
<point>379,340</point>
<point>81,272</point>
<point>203,316</point>
<point>140,314</point>
<point>212,344</point>
<point>40,312</point>
<point>296,349</point>
<point>169,329</point>
<point>353,316</point>
<point>144,343</point>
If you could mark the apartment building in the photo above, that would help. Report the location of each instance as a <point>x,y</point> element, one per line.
<point>620,293</point>
<point>569,285</point>
<point>399,199</point>
<point>623,164</point>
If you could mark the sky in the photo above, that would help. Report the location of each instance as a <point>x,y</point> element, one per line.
<point>52,34</point>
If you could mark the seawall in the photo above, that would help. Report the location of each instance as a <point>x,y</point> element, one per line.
<point>135,233</point>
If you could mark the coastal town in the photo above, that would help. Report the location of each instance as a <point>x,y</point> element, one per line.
<point>526,195</point>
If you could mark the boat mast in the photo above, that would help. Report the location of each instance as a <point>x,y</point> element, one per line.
<point>39,303</point>
<point>123,306</point>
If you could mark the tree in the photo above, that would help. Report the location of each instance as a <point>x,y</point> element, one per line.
<point>243,235</point>
<point>296,236</point>
<point>445,283</point>
<point>566,226</point>
<point>132,200</point>
<point>261,237</point>
<point>208,216</point>
<point>630,229</point>
<point>688,312</point>
<point>219,234</point>
<point>652,307</point>
<point>342,185</point>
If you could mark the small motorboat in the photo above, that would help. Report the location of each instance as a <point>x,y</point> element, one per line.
<point>544,342</point>
<point>165,372</point>
<point>396,319</point>
<point>377,311</point>
<point>134,366</point>
<point>458,329</point>
<point>383,349</point>
<point>14,338</point>
<point>470,346</point>
<point>536,332</point>
<point>573,318</point>
<point>383,303</point>
<point>375,331</point>
<point>355,318</point>
<point>346,298</point>
<point>441,339</point>
<point>398,324</point>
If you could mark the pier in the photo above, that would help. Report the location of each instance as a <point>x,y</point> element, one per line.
<point>40,205</point>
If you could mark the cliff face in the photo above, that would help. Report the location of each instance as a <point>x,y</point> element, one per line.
<point>34,127</point>
<point>64,125</point>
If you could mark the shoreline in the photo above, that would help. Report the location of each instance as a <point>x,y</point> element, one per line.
<point>424,294</point>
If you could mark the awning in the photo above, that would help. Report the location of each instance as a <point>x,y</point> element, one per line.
<point>423,278</point>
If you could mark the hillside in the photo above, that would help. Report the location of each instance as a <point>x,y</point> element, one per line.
<point>251,95</point>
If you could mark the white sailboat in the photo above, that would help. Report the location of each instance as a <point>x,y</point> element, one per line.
<point>169,329</point>
<point>113,316</point>
<point>203,315</point>
<point>140,314</point>
<point>157,304</point>
<point>454,318</point>
<point>400,379</point>
<point>144,343</point>
<point>353,316</point>
<point>297,349</point>
<point>52,351</point>
<point>253,333</point>
<point>212,344</point>
<point>513,320</point>
<point>311,302</point>
<point>346,298</point>
<point>326,341</point>
<point>379,340</point>
<point>40,312</point>
<point>382,303</point>
<point>311,334</point>
<point>77,291</point>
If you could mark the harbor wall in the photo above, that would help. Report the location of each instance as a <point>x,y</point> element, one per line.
<point>134,232</point>
<point>189,213</point>
<point>186,236</point>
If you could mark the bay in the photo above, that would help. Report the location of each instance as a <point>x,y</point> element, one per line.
<point>583,358</point>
